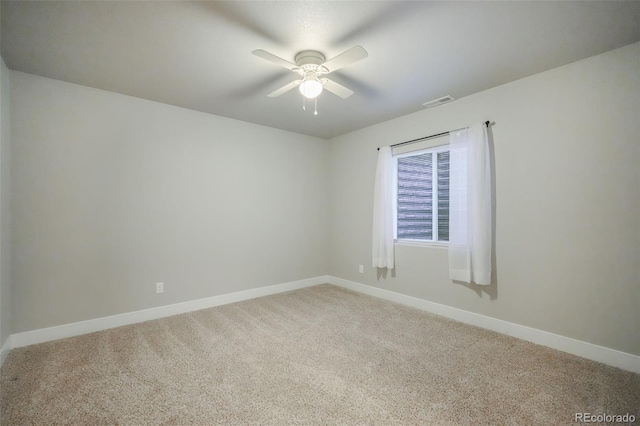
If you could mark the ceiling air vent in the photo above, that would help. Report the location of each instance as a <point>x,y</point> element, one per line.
<point>440,101</point>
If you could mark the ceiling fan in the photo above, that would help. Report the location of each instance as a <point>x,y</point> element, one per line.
<point>311,65</point>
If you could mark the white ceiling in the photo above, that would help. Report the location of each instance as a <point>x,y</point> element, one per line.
<point>197,55</point>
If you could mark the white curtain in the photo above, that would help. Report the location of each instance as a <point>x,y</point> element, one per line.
<point>470,206</point>
<point>383,255</point>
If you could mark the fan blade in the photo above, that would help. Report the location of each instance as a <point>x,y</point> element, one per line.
<point>336,89</point>
<point>274,59</point>
<point>284,89</point>
<point>346,58</point>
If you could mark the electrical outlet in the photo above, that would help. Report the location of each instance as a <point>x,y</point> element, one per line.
<point>361,269</point>
<point>159,287</point>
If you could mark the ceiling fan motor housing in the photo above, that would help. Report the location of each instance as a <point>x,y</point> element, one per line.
<point>310,60</point>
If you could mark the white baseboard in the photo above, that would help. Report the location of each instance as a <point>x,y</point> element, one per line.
<point>83,327</point>
<point>582,349</point>
<point>587,350</point>
<point>4,350</point>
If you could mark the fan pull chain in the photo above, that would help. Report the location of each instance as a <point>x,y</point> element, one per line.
<point>315,108</point>
<point>304,103</point>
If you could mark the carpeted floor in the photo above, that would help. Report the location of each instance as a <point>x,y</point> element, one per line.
<point>321,355</point>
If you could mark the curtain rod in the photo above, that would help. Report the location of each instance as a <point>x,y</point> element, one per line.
<point>486,123</point>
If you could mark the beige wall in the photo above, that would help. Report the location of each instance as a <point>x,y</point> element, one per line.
<point>5,210</point>
<point>567,172</point>
<point>115,193</point>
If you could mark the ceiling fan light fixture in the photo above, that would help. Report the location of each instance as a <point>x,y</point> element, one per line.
<point>310,87</point>
<point>311,65</point>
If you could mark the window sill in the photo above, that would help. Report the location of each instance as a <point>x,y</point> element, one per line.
<point>418,243</point>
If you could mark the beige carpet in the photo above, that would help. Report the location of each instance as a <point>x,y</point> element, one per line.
<point>321,355</point>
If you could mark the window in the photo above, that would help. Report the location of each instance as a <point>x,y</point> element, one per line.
<point>421,211</point>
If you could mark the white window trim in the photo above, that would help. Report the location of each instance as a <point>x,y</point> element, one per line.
<point>420,243</point>
<point>431,243</point>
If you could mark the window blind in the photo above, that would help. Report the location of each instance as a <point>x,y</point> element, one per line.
<point>421,184</point>
<point>443,196</point>
<point>415,197</point>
